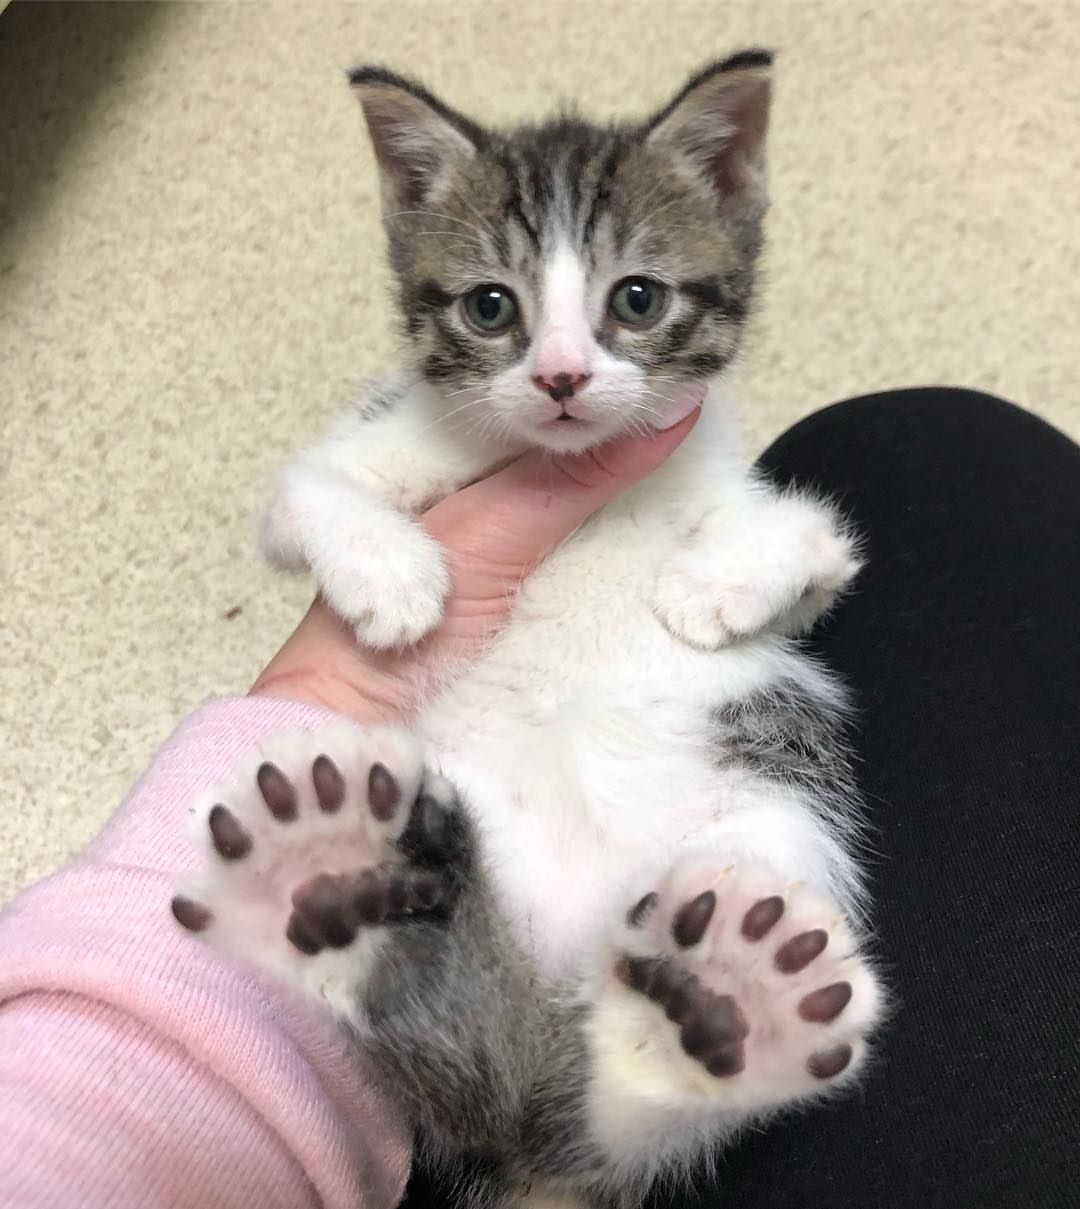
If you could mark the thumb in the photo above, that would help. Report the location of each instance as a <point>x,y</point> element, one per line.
<point>512,519</point>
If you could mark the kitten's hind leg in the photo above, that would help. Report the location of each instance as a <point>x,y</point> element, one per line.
<point>319,839</point>
<point>724,995</point>
<point>335,861</point>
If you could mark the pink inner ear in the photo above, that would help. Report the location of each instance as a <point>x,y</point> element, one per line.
<point>738,155</point>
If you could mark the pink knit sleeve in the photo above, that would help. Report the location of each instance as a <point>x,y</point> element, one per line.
<point>138,1069</point>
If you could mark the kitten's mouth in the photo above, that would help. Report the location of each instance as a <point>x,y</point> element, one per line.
<point>567,433</point>
<point>566,423</point>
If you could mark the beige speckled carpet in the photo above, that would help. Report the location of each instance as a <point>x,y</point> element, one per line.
<point>190,280</point>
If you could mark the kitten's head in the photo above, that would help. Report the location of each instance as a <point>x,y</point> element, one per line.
<point>566,282</point>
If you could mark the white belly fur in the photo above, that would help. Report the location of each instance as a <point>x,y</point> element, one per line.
<point>581,738</point>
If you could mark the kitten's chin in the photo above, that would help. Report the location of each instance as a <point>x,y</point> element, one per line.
<point>571,436</point>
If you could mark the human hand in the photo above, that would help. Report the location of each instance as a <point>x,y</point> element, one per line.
<point>494,533</point>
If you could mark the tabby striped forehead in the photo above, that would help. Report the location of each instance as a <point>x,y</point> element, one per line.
<point>559,183</point>
<point>474,206</point>
<point>596,190</point>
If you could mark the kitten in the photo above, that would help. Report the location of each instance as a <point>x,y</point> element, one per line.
<point>642,931</point>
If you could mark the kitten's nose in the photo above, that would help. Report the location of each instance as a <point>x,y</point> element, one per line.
<point>561,386</point>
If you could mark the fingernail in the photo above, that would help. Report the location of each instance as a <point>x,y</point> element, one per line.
<point>686,401</point>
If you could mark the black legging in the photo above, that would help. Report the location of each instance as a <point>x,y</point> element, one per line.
<point>962,644</point>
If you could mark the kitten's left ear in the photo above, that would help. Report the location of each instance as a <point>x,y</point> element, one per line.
<point>417,138</point>
<point>716,124</point>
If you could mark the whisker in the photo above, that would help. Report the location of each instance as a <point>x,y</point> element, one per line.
<point>481,223</point>
<point>436,214</point>
<point>445,417</point>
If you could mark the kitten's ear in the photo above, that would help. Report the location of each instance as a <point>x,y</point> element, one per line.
<point>416,137</point>
<point>716,125</point>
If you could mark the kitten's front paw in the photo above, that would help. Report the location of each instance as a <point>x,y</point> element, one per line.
<point>375,567</point>
<point>319,840</point>
<point>391,589</point>
<point>695,610</point>
<point>710,597</point>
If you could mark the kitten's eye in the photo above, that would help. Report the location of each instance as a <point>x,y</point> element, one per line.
<point>491,309</point>
<point>637,301</point>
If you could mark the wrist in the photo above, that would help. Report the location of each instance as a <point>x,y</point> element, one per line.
<point>321,664</point>
<point>310,688</point>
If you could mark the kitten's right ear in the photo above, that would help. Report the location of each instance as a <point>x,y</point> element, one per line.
<point>416,137</point>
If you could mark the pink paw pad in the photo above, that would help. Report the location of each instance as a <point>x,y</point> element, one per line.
<point>763,987</point>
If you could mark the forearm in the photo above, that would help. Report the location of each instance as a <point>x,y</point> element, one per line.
<point>138,1069</point>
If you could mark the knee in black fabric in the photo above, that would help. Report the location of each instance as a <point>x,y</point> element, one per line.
<point>949,421</point>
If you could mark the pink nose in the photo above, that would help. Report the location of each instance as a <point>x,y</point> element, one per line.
<point>561,386</point>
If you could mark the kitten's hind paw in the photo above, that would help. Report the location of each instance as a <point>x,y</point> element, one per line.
<point>320,839</point>
<point>728,987</point>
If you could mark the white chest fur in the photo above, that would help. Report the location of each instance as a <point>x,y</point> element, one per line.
<point>584,737</point>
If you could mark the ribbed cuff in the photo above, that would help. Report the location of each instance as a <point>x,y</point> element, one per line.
<point>100,933</point>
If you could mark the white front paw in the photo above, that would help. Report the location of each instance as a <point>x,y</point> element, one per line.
<point>392,590</point>
<point>375,567</point>
<point>691,607</point>
<point>710,596</point>
<point>711,603</point>
<point>832,562</point>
